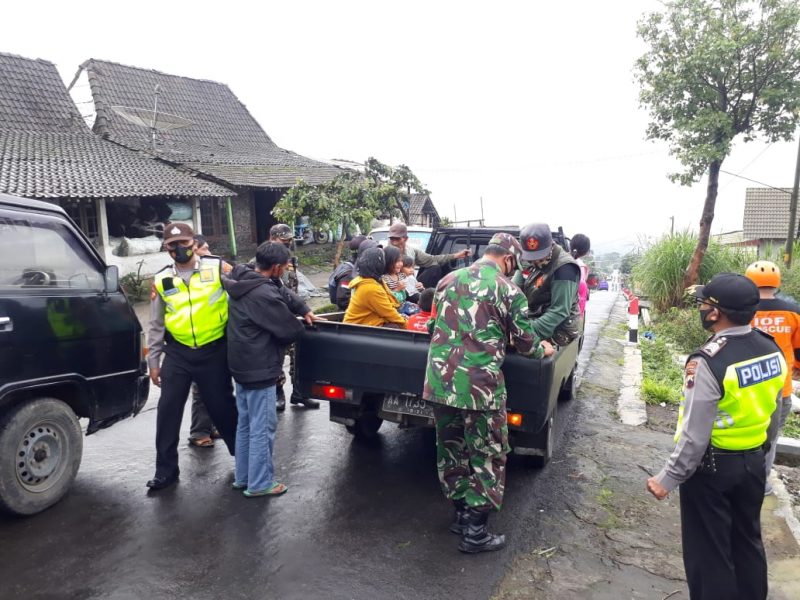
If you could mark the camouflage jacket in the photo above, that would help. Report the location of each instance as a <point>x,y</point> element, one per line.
<point>289,277</point>
<point>478,312</point>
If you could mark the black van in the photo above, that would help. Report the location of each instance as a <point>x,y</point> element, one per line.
<point>70,347</point>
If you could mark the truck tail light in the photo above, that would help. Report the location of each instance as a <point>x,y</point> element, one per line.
<point>143,346</point>
<point>331,392</point>
<point>514,419</point>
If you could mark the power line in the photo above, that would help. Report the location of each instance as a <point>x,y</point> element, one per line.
<point>772,187</point>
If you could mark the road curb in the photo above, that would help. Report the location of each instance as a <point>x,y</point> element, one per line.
<point>788,446</point>
<point>631,407</point>
<point>785,509</point>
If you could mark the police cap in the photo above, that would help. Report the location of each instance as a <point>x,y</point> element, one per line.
<point>729,291</point>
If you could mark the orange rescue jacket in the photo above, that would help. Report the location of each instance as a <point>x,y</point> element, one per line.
<point>781,319</point>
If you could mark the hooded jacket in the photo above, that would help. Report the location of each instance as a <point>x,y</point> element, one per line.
<point>372,303</point>
<point>261,323</point>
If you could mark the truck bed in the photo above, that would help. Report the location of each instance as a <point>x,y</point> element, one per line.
<point>381,361</point>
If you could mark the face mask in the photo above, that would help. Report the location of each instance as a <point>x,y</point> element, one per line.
<point>705,321</point>
<point>182,254</point>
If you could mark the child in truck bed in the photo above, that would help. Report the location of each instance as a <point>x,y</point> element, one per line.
<point>419,321</point>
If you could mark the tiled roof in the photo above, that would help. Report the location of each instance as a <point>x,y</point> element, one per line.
<point>421,204</point>
<point>33,97</point>
<point>46,150</point>
<point>81,165</point>
<point>766,213</point>
<point>224,141</point>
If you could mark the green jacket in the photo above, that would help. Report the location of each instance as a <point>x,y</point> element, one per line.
<point>552,303</point>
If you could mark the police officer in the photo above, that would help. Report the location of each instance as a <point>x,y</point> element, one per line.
<point>732,386</point>
<point>283,233</point>
<point>188,314</point>
<point>550,283</point>
<point>479,311</point>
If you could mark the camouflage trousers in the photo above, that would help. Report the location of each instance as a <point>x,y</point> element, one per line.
<point>471,449</point>
<point>282,377</point>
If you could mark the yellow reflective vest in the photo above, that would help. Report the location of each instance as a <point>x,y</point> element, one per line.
<point>195,314</point>
<point>750,370</point>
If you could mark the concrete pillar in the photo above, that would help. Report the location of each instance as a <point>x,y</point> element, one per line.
<point>196,219</point>
<point>102,229</point>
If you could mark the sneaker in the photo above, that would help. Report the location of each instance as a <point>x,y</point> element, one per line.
<point>239,486</point>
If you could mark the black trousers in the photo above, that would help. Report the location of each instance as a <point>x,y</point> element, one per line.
<point>208,368</point>
<point>721,525</point>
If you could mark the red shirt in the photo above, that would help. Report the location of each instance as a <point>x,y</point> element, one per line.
<point>419,321</point>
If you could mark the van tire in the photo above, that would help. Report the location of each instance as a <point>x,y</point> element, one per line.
<point>41,445</point>
<point>366,427</point>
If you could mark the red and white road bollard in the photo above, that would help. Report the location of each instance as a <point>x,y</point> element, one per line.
<point>633,319</point>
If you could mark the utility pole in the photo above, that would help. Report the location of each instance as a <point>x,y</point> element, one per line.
<point>787,255</point>
<point>672,226</point>
<point>482,221</point>
<point>455,216</point>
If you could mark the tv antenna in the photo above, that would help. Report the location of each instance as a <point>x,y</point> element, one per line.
<point>151,118</point>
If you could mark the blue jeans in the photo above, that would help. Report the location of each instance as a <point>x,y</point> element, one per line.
<point>255,437</point>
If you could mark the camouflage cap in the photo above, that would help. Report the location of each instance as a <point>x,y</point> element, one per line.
<point>509,242</point>
<point>281,231</point>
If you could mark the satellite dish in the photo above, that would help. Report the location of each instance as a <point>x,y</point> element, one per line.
<point>152,119</point>
<point>146,117</point>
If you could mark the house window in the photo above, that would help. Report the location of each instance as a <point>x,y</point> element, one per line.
<point>214,217</point>
<point>84,213</point>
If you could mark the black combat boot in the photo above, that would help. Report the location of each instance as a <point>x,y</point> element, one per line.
<point>476,537</point>
<point>307,402</point>
<point>459,517</point>
<point>280,401</point>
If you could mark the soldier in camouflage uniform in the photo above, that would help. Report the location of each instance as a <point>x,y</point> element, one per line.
<point>551,285</point>
<point>283,233</point>
<point>478,313</point>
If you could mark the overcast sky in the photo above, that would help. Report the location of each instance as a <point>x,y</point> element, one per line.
<point>530,105</point>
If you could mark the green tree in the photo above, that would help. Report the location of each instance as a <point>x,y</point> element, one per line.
<point>715,70</point>
<point>381,192</point>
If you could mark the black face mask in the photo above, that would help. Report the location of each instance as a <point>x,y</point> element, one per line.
<point>705,321</point>
<point>182,255</point>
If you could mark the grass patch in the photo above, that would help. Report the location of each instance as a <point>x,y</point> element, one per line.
<point>327,308</point>
<point>662,379</point>
<point>792,427</point>
<point>681,327</point>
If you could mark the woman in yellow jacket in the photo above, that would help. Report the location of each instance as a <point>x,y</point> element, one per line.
<point>371,301</point>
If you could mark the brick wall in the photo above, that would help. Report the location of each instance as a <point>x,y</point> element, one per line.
<point>243,225</point>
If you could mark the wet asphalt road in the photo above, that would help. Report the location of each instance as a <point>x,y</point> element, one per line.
<point>359,521</point>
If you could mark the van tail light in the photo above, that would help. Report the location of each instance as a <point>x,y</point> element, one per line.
<point>143,346</point>
<point>331,392</point>
<point>514,419</point>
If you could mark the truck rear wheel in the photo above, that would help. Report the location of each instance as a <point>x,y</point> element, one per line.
<point>547,437</point>
<point>41,446</point>
<point>569,389</point>
<point>366,427</point>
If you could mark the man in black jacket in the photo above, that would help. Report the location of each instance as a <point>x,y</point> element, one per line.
<point>261,323</point>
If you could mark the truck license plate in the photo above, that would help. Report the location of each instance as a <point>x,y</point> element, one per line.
<point>408,405</point>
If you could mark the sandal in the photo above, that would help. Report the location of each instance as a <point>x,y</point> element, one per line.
<point>204,442</point>
<point>275,490</point>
